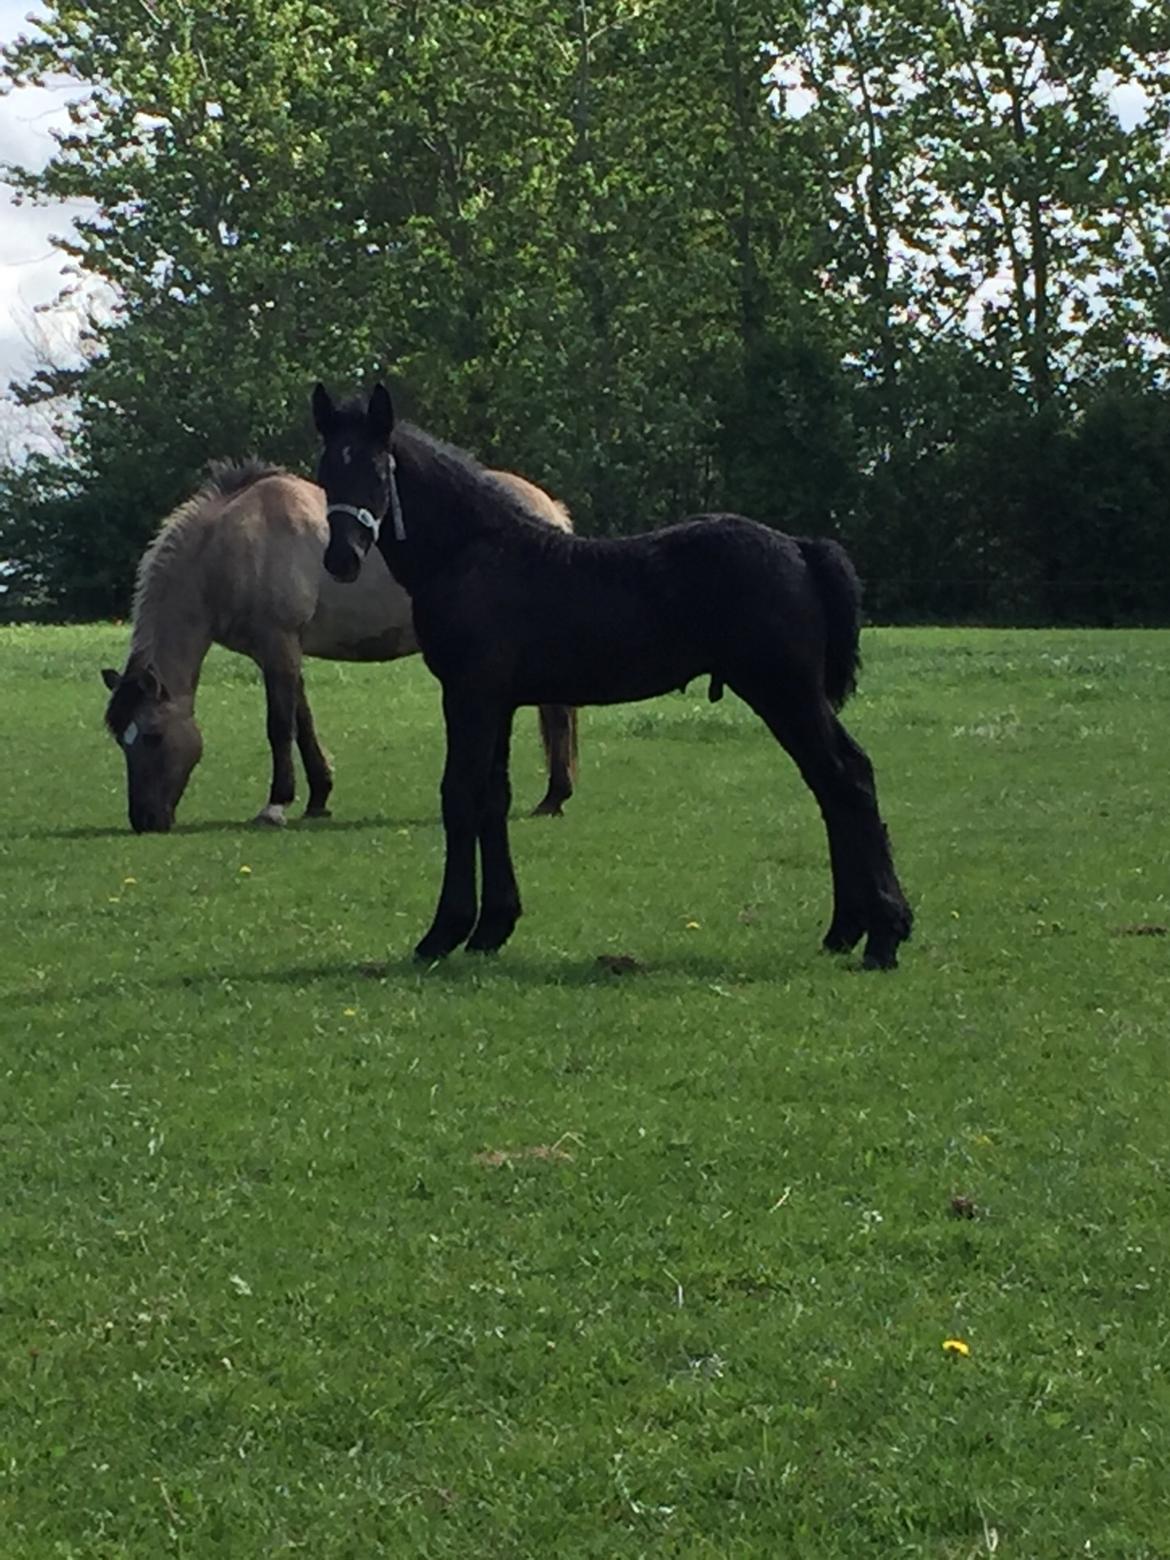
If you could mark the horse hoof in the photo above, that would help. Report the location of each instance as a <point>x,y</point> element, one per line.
<point>550,807</point>
<point>317,812</point>
<point>880,959</point>
<point>439,942</point>
<point>424,953</point>
<point>271,817</point>
<point>841,942</point>
<point>492,933</point>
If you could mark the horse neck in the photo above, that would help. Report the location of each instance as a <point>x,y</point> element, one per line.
<point>171,628</point>
<point>441,516</point>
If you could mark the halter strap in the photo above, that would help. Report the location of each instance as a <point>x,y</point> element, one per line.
<point>362,516</point>
<point>396,507</point>
<point>373,522</point>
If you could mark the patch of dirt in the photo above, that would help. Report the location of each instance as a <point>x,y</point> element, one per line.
<point>621,964</point>
<point>493,1158</point>
<point>1143,929</point>
<point>964,1207</point>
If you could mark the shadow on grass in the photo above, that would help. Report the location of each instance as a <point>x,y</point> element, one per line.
<point>461,970</point>
<point>296,825</point>
<point>90,831</point>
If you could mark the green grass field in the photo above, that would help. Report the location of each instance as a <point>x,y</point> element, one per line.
<point>305,1250</point>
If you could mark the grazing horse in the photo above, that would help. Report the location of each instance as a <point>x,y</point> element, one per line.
<point>509,612</point>
<point>240,565</point>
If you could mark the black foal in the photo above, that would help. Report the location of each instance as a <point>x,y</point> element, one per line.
<point>509,612</point>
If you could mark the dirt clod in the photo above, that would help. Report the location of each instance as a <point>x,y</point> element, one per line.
<point>493,1158</point>
<point>621,964</point>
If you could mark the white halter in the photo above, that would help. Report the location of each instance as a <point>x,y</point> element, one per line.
<point>372,521</point>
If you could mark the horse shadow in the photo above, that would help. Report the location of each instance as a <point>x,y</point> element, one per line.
<point>244,826</point>
<point>595,971</point>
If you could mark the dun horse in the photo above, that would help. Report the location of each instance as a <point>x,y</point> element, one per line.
<point>239,565</point>
<point>509,613</point>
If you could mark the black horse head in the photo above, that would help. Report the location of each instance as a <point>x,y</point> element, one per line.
<point>356,470</point>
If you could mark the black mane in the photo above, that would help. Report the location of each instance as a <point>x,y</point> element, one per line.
<point>466,484</point>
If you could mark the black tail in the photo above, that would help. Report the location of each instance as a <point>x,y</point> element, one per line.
<point>840,592</point>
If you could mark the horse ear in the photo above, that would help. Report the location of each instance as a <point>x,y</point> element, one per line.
<point>380,415</point>
<point>111,678</point>
<point>152,685</point>
<point>324,411</point>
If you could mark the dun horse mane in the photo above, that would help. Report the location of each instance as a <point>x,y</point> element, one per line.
<point>225,479</point>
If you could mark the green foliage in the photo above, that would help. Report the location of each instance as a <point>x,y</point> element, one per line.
<point>598,243</point>
<point>283,1274</point>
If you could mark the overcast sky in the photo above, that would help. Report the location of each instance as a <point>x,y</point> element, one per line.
<point>31,271</point>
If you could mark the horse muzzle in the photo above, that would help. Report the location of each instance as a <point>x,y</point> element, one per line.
<point>343,561</point>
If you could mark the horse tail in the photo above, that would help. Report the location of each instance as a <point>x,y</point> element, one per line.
<point>840,591</point>
<point>558,733</point>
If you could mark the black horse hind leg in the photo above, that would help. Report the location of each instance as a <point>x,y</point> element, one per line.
<point>867,897</point>
<point>473,727</point>
<point>318,770</point>
<point>499,895</point>
<point>890,917</point>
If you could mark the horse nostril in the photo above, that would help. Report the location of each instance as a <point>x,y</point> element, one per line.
<point>342,563</point>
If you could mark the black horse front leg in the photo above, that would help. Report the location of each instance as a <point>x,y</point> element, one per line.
<point>500,901</point>
<point>472,731</point>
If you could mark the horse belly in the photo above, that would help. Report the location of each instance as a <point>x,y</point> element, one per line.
<point>369,620</point>
<point>614,673</point>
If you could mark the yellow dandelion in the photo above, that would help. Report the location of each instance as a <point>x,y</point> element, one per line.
<point>692,926</point>
<point>115,899</point>
<point>129,880</point>
<point>245,872</point>
<point>349,1012</point>
<point>956,1346</point>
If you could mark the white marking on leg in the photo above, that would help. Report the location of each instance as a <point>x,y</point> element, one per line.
<point>273,813</point>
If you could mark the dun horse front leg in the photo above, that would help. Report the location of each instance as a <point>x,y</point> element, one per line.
<point>472,731</point>
<point>280,688</point>
<point>318,770</point>
<point>500,898</point>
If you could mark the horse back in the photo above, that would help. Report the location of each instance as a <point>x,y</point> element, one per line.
<point>542,504</point>
<point>262,561</point>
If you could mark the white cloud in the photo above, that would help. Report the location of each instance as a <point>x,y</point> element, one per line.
<point>33,273</point>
